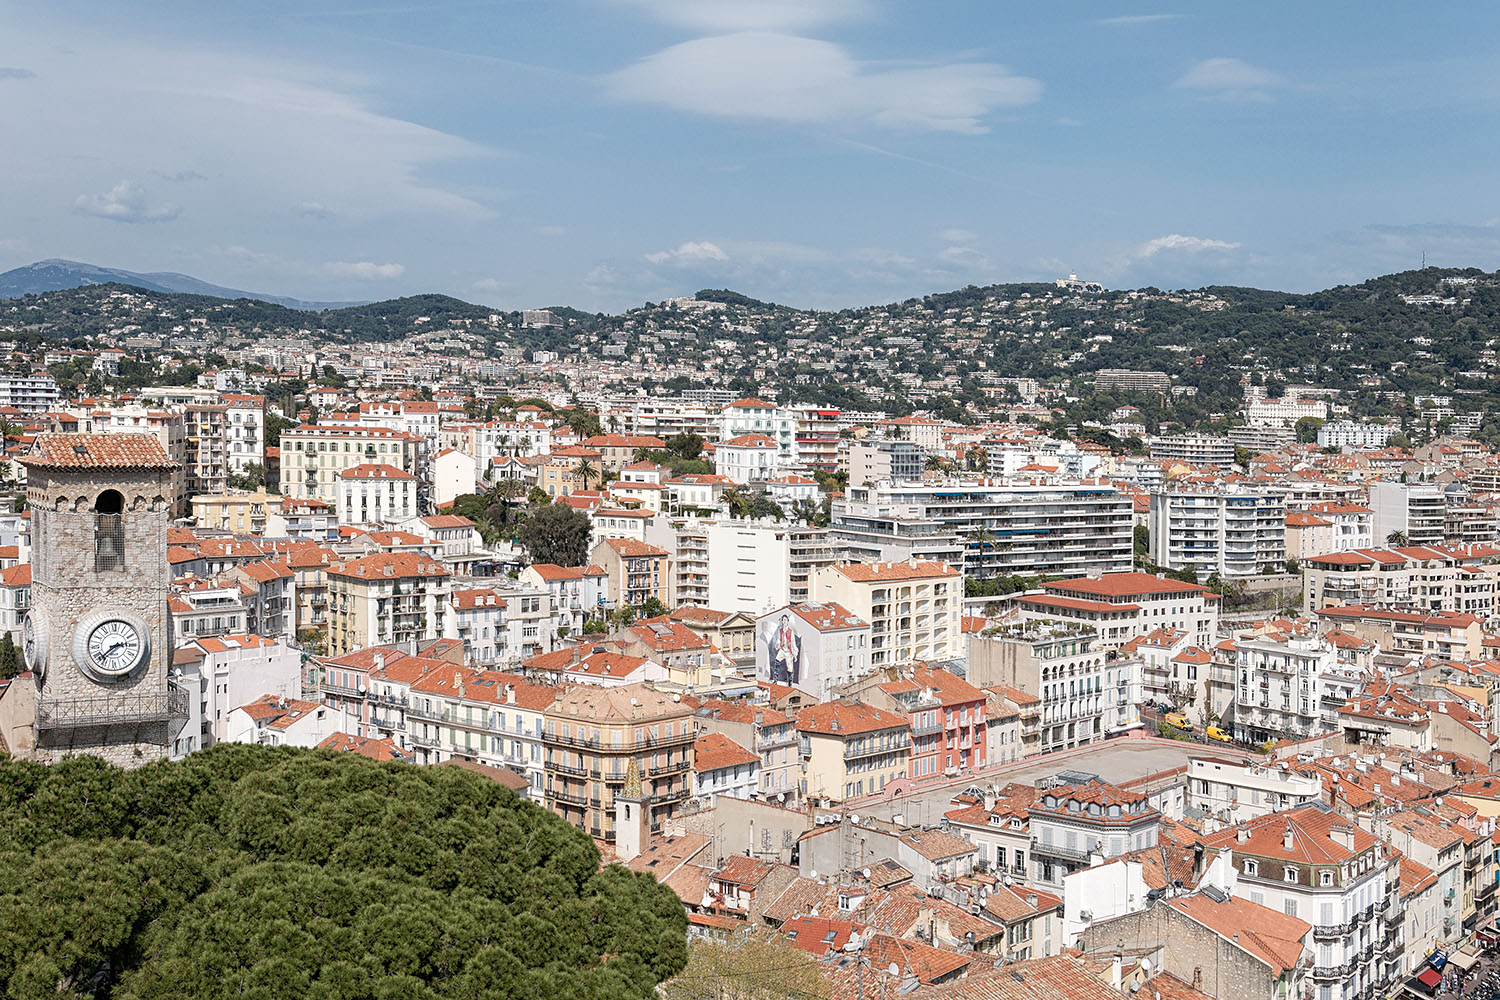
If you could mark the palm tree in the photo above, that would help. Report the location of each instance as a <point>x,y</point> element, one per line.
<point>736,502</point>
<point>584,471</point>
<point>1397,539</point>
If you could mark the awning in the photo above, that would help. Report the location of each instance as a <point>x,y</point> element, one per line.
<point>1430,978</point>
<point>1463,959</point>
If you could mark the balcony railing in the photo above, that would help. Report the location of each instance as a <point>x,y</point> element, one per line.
<point>117,710</point>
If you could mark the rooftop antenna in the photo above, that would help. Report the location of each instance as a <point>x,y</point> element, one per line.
<point>1424,260</point>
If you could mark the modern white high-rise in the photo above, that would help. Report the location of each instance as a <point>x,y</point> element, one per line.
<point>1235,533</point>
<point>1354,434</point>
<point>1413,510</point>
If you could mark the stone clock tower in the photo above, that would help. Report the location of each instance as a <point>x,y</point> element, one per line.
<point>96,639</point>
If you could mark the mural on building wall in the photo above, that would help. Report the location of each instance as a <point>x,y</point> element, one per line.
<point>785,649</point>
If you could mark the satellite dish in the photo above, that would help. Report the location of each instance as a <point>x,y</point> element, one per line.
<point>893,969</point>
<point>854,819</point>
<point>866,873</point>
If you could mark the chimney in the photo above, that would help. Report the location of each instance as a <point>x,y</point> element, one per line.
<point>1115,965</point>
<point>1031,900</point>
<point>1241,834</point>
<point>1343,835</point>
<point>1288,839</point>
<point>379,661</point>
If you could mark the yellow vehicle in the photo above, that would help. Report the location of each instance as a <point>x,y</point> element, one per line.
<point>1215,733</point>
<point>1179,721</point>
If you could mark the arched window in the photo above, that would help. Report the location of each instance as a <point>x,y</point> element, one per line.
<point>109,531</point>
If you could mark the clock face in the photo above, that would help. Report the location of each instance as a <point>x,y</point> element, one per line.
<point>34,643</point>
<point>115,647</point>
<point>108,646</point>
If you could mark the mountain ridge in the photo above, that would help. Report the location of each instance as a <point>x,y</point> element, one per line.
<point>57,274</point>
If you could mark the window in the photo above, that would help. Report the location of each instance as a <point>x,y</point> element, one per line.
<point>1289,874</point>
<point>1289,907</point>
<point>1325,878</point>
<point>1250,867</point>
<point>109,531</point>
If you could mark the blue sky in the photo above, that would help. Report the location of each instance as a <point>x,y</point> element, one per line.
<point>601,153</point>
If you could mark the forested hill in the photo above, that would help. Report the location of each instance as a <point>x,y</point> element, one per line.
<point>1426,332</point>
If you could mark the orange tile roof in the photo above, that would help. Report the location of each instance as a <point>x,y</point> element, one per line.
<point>400,564</point>
<point>892,572</point>
<point>97,451</point>
<point>843,718</point>
<point>712,751</point>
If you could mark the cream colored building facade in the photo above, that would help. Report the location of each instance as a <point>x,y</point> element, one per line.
<point>386,598</point>
<point>914,608</point>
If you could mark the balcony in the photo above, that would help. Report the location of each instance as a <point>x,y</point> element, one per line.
<point>673,767</point>
<point>118,710</point>
<point>1333,931</point>
<point>1334,973</point>
<point>1058,851</point>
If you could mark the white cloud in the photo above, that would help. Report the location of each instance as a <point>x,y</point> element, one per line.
<point>125,202</point>
<point>786,78</point>
<point>689,253</point>
<point>487,286</point>
<point>1231,78</point>
<point>139,108</point>
<point>956,235</point>
<point>751,15</point>
<point>1189,244</point>
<point>364,270</point>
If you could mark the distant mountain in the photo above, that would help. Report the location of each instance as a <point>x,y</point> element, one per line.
<point>56,275</point>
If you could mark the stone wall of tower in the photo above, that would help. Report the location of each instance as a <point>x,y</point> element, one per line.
<point>67,587</point>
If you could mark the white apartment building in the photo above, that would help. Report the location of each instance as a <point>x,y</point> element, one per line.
<point>30,393</point>
<point>245,431</point>
<point>376,494</point>
<point>232,670</point>
<point>1119,606</point>
<point>1194,449</point>
<point>476,616</point>
<point>1237,790</point>
<point>1233,533</point>
<point>914,609</point>
<point>814,647</point>
<point>1421,578</point>
<point>1285,411</point>
<point>575,593</point>
<point>747,458</point>
<point>1318,867</point>
<point>1328,526</point>
<point>756,416</point>
<point>1280,685</point>
<point>1057,662</point>
<point>1414,510</point>
<point>988,528</point>
<point>313,456</point>
<point>1354,434</point>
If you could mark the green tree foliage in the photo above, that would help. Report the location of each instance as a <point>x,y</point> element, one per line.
<point>585,422</point>
<point>756,968</point>
<point>252,479</point>
<point>10,660</point>
<point>556,533</point>
<point>251,872</point>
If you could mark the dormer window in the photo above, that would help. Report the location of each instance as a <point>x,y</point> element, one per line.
<point>1289,874</point>
<point>1251,867</point>
<point>1325,878</point>
<point>1015,824</point>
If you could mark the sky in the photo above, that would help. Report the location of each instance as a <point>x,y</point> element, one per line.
<point>818,153</point>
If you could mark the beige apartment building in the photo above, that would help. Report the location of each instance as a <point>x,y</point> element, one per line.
<point>386,598</point>
<point>914,608</point>
<point>314,457</point>
<point>238,513</point>
<point>592,738</point>
<point>850,749</point>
